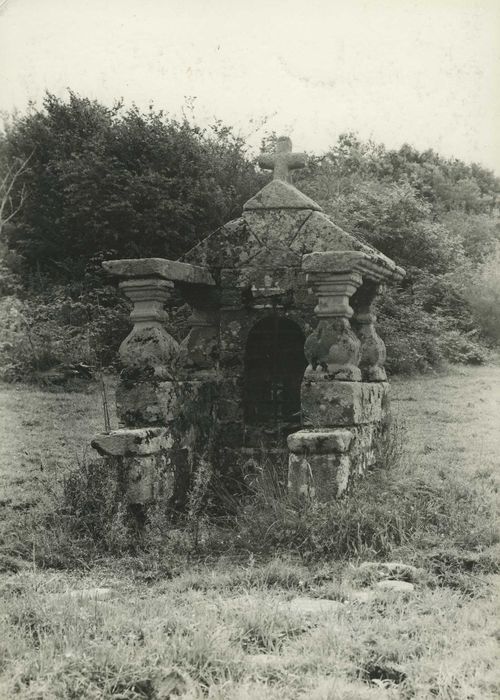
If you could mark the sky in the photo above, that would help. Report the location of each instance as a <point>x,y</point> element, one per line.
<point>424,72</point>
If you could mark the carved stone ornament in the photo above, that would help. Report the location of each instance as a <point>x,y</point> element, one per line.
<point>148,344</point>
<point>333,348</point>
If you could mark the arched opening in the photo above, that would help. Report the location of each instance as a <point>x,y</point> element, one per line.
<point>274,367</point>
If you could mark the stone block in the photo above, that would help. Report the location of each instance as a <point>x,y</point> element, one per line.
<point>138,403</point>
<point>141,478</point>
<point>363,448</point>
<point>229,246</point>
<point>338,403</point>
<point>140,458</point>
<point>277,226</point>
<point>178,404</point>
<point>319,476</point>
<point>332,261</point>
<point>127,441</point>
<point>319,233</point>
<point>319,441</point>
<point>230,399</point>
<point>230,433</point>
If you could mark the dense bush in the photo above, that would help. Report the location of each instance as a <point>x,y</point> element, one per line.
<point>439,219</point>
<point>101,183</point>
<point>113,179</point>
<point>484,296</point>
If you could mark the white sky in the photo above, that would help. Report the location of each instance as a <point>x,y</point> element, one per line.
<point>425,72</point>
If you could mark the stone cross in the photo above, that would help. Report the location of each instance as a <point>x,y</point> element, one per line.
<point>283,160</point>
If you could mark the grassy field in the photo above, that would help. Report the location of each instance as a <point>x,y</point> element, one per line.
<point>244,626</point>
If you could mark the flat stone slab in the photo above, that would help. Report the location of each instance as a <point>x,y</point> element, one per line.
<point>83,594</point>
<point>131,441</point>
<point>371,264</point>
<point>313,606</point>
<point>332,261</point>
<point>319,441</point>
<point>172,270</point>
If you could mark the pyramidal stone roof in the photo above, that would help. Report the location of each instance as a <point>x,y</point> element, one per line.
<point>279,225</point>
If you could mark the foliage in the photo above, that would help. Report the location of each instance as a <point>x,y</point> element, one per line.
<point>439,219</point>
<point>49,332</point>
<point>113,179</point>
<point>484,294</point>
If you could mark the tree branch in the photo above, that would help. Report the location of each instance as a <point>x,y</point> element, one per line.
<point>6,186</point>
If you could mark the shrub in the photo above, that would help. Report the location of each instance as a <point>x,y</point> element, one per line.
<point>51,332</point>
<point>104,178</point>
<point>484,295</point>
<point>411,335</point>
<point>461,348</point>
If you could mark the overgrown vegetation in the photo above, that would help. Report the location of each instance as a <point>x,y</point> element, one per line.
<point>86,182</point>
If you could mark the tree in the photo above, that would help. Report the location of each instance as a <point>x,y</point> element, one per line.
<point>114,182</point>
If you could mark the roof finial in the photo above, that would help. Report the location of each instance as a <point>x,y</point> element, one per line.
<point>283,160</point>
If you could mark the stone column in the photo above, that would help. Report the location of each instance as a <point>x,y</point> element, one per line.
<point>333,348</point>
<point>148,345</point>
<point>373,352</point>
<point>338,408</point>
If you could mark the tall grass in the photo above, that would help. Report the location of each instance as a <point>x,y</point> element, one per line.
<point>397,504</point>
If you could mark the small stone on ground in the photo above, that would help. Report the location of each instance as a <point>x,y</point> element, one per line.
<point>390,570</point>
<point>314,606</point>
<point>92,593</point>
<point>396,586</point>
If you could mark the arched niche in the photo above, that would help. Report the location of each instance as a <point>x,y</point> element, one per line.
<point>274,367</point>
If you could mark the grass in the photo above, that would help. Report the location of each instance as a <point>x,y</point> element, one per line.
<point>165,626</point>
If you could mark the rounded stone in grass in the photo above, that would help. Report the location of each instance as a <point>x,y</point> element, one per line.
<point>395,586</point>
<point>394,570</point>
